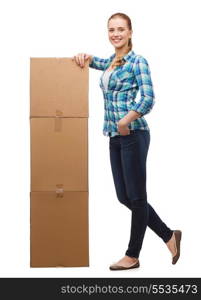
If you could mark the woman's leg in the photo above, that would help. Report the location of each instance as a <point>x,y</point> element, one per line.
<point>123,192</point>
<point>117,172</point>
<point>158,226</point>
<point>134,149</point>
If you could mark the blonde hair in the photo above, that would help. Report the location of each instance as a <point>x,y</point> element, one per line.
<point>119,59</point>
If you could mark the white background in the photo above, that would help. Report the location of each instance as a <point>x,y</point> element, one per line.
<point>167,34</point>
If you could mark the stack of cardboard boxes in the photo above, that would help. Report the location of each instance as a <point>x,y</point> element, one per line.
<point>59,163</point>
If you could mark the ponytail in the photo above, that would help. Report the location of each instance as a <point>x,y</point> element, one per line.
<point>119,61</point>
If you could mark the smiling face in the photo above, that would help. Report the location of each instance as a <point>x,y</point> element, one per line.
<point>118,32</point>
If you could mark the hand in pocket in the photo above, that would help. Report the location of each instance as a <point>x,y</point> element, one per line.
<point>123,129</point>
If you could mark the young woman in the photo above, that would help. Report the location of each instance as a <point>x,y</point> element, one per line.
<point>124,74</point>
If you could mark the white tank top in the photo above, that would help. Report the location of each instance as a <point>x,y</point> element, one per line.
<point>105,78</point>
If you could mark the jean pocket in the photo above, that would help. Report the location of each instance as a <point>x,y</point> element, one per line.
<point>128,140</point>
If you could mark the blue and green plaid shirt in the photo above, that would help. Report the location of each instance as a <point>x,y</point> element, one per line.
<point>123,85</point>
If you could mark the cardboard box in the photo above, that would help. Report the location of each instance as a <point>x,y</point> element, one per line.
<point>59,163</point>
<point>59,229</point>
<point>59,153</point>
<point>58,86</point>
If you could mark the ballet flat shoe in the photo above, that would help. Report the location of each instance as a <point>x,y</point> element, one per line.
<point>116,267</point>
<point>178,235</point>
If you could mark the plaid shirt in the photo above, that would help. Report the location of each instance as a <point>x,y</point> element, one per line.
<point>123,85</point>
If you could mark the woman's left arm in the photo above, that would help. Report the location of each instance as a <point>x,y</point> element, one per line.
<point>146,102</point>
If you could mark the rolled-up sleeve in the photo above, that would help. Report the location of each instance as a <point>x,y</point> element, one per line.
<point>143,77</point>
<point>98,63</point>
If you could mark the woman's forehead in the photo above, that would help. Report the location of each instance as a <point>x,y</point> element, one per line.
<point>117,22</point>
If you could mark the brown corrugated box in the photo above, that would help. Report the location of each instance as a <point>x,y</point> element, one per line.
<point>59,229</point>
<point>58,85</point>
<point>59,163</point>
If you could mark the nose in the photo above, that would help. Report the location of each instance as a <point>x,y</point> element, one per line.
<point>116,35</point>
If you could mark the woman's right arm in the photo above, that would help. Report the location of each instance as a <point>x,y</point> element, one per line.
<point>94,61</point>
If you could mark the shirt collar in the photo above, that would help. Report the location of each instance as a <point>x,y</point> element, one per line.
<point>126,56</point>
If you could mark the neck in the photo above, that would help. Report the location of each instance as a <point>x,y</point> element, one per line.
<point>121,51</point>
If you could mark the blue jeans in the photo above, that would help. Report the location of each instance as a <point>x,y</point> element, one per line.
<point>128,155</point>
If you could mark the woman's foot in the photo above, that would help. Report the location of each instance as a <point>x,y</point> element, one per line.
<point>171,244</point>
<point>174,245</point>
<point>125,263</point>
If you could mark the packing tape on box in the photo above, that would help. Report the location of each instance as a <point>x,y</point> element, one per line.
<point>58,121</point>
<point>59,190</point>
